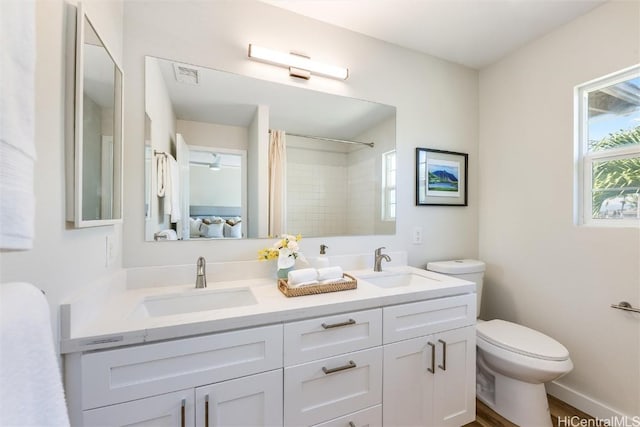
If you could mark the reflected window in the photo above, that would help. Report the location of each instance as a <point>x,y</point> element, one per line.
<point>389,186</point>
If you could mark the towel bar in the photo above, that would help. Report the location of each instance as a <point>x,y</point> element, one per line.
<point>623,305</point>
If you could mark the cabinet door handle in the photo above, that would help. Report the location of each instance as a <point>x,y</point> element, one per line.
<point>351,424</point>
<point>337,325</point>
<point>182,407</point>
<point>444,356</point>
<point>349,365</point>
<point>206,410</point>
<point>432,369</point>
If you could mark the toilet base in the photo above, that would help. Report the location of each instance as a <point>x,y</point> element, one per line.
<point>522,403</point>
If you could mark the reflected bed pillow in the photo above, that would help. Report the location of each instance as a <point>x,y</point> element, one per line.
<point>212,230</point>
<point>194,227</point>
<point>234,231</point>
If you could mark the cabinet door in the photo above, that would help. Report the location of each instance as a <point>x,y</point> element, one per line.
<point>455,379</point>
<point>167,410</point>
<point>254,401</point>
<point>408,385</point>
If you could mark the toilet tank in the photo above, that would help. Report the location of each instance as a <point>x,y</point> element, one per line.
<point>466,269</point>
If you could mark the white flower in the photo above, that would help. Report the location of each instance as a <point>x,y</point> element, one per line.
<point>293,246</point>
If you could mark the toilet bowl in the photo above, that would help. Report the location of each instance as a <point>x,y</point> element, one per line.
<point>512,361</point>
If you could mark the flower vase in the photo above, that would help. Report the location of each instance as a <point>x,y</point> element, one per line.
<point>283,273</point>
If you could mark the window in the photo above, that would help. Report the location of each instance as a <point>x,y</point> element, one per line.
<point>608,147</point>
<point>389,186</point>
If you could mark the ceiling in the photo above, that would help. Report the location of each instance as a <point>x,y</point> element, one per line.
<point>474,33</point>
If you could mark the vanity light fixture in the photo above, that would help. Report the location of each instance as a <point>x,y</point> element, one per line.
<point>299,65</point>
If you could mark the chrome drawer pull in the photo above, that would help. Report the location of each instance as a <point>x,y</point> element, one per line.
<point>349,365</point>
<point>337,325</point>
<point>444,356</point>
<point>432,369</point>
<point>184,402</point>
<point>206,411</point>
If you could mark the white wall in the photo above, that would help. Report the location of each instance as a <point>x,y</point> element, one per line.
<point>437,104</point>
<point>63,260</point>
<point>544,271</point>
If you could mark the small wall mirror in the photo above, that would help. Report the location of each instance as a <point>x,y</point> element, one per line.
<point>97,153</point>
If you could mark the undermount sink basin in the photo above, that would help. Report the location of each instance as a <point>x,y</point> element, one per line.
<point>196,300</point>
<point>400,279</point>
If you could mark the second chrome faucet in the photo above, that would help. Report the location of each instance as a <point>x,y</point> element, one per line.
<point>201,273</point>
<point>378,257</point>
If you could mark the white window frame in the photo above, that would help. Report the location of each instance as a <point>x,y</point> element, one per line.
<point>386,189</point>
<point>584,159</point>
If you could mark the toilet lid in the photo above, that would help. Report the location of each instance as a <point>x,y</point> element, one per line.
<point>522,340</point>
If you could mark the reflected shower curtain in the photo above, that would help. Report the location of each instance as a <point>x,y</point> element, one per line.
<point>277,182</point>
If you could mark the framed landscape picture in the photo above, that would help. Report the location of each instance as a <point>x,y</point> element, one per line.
<point>441,177</point>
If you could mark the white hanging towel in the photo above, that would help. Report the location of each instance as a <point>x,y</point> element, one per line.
<point>172,193</point>
<point>31,391</point>
<point>17,117</point>
<point>161,174</point>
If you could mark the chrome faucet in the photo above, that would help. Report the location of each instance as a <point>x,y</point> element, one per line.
<point>379,256</point>
<point>201,275</point>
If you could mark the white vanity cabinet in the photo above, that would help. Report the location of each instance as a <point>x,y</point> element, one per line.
<point>429,362</point>
<point>162,382</point>
<point>412,363</point>
<point>333,370</point>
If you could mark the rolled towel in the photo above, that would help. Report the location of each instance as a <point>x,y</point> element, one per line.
<point>297,277</point>
<point>338,280</point>
<point>329,273</point>
<point>303,284</point>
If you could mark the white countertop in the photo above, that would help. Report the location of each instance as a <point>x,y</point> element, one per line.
<point>114,321</point>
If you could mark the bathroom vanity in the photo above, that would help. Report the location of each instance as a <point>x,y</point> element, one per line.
<point>398,350</point>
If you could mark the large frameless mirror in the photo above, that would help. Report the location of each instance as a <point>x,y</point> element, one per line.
<point>213,140</point>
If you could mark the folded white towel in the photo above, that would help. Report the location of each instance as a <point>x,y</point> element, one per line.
<point>17,130</point>
<point>329,273</point>
<point>303,284</point>
<point>31,391</point>
<point>331,281</point>
<point>296,277</point>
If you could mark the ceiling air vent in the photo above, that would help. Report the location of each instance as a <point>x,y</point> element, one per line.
<point>185,74</point>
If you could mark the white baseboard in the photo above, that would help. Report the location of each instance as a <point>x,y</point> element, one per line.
<point>582,402</point>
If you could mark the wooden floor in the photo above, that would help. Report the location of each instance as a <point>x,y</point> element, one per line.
<point>485,417</point>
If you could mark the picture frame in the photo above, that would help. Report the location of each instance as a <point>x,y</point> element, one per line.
<point>441,177</point>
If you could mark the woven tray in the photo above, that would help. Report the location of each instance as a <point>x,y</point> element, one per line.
<point>317,289</point>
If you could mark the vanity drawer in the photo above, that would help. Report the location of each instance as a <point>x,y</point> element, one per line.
<point>125,374</point>
<point>417,319</point>
<point>326,389</point>
<point>370,417</point>
<point>327,336</point>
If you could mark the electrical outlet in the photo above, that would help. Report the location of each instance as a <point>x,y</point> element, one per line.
<point>417,235</point>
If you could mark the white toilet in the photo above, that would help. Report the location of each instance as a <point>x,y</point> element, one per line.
<point>512,361</point>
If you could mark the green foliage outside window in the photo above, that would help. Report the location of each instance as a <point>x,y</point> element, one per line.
<point>618,178</point>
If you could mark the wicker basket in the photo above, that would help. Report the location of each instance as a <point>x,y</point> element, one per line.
<point>317,289</point>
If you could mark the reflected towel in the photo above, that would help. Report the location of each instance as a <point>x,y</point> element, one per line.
<point>298,277</point>
<point>329,273</point>
<point>168,234</point>
<point>31,391</point>
<point>17,117</point>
